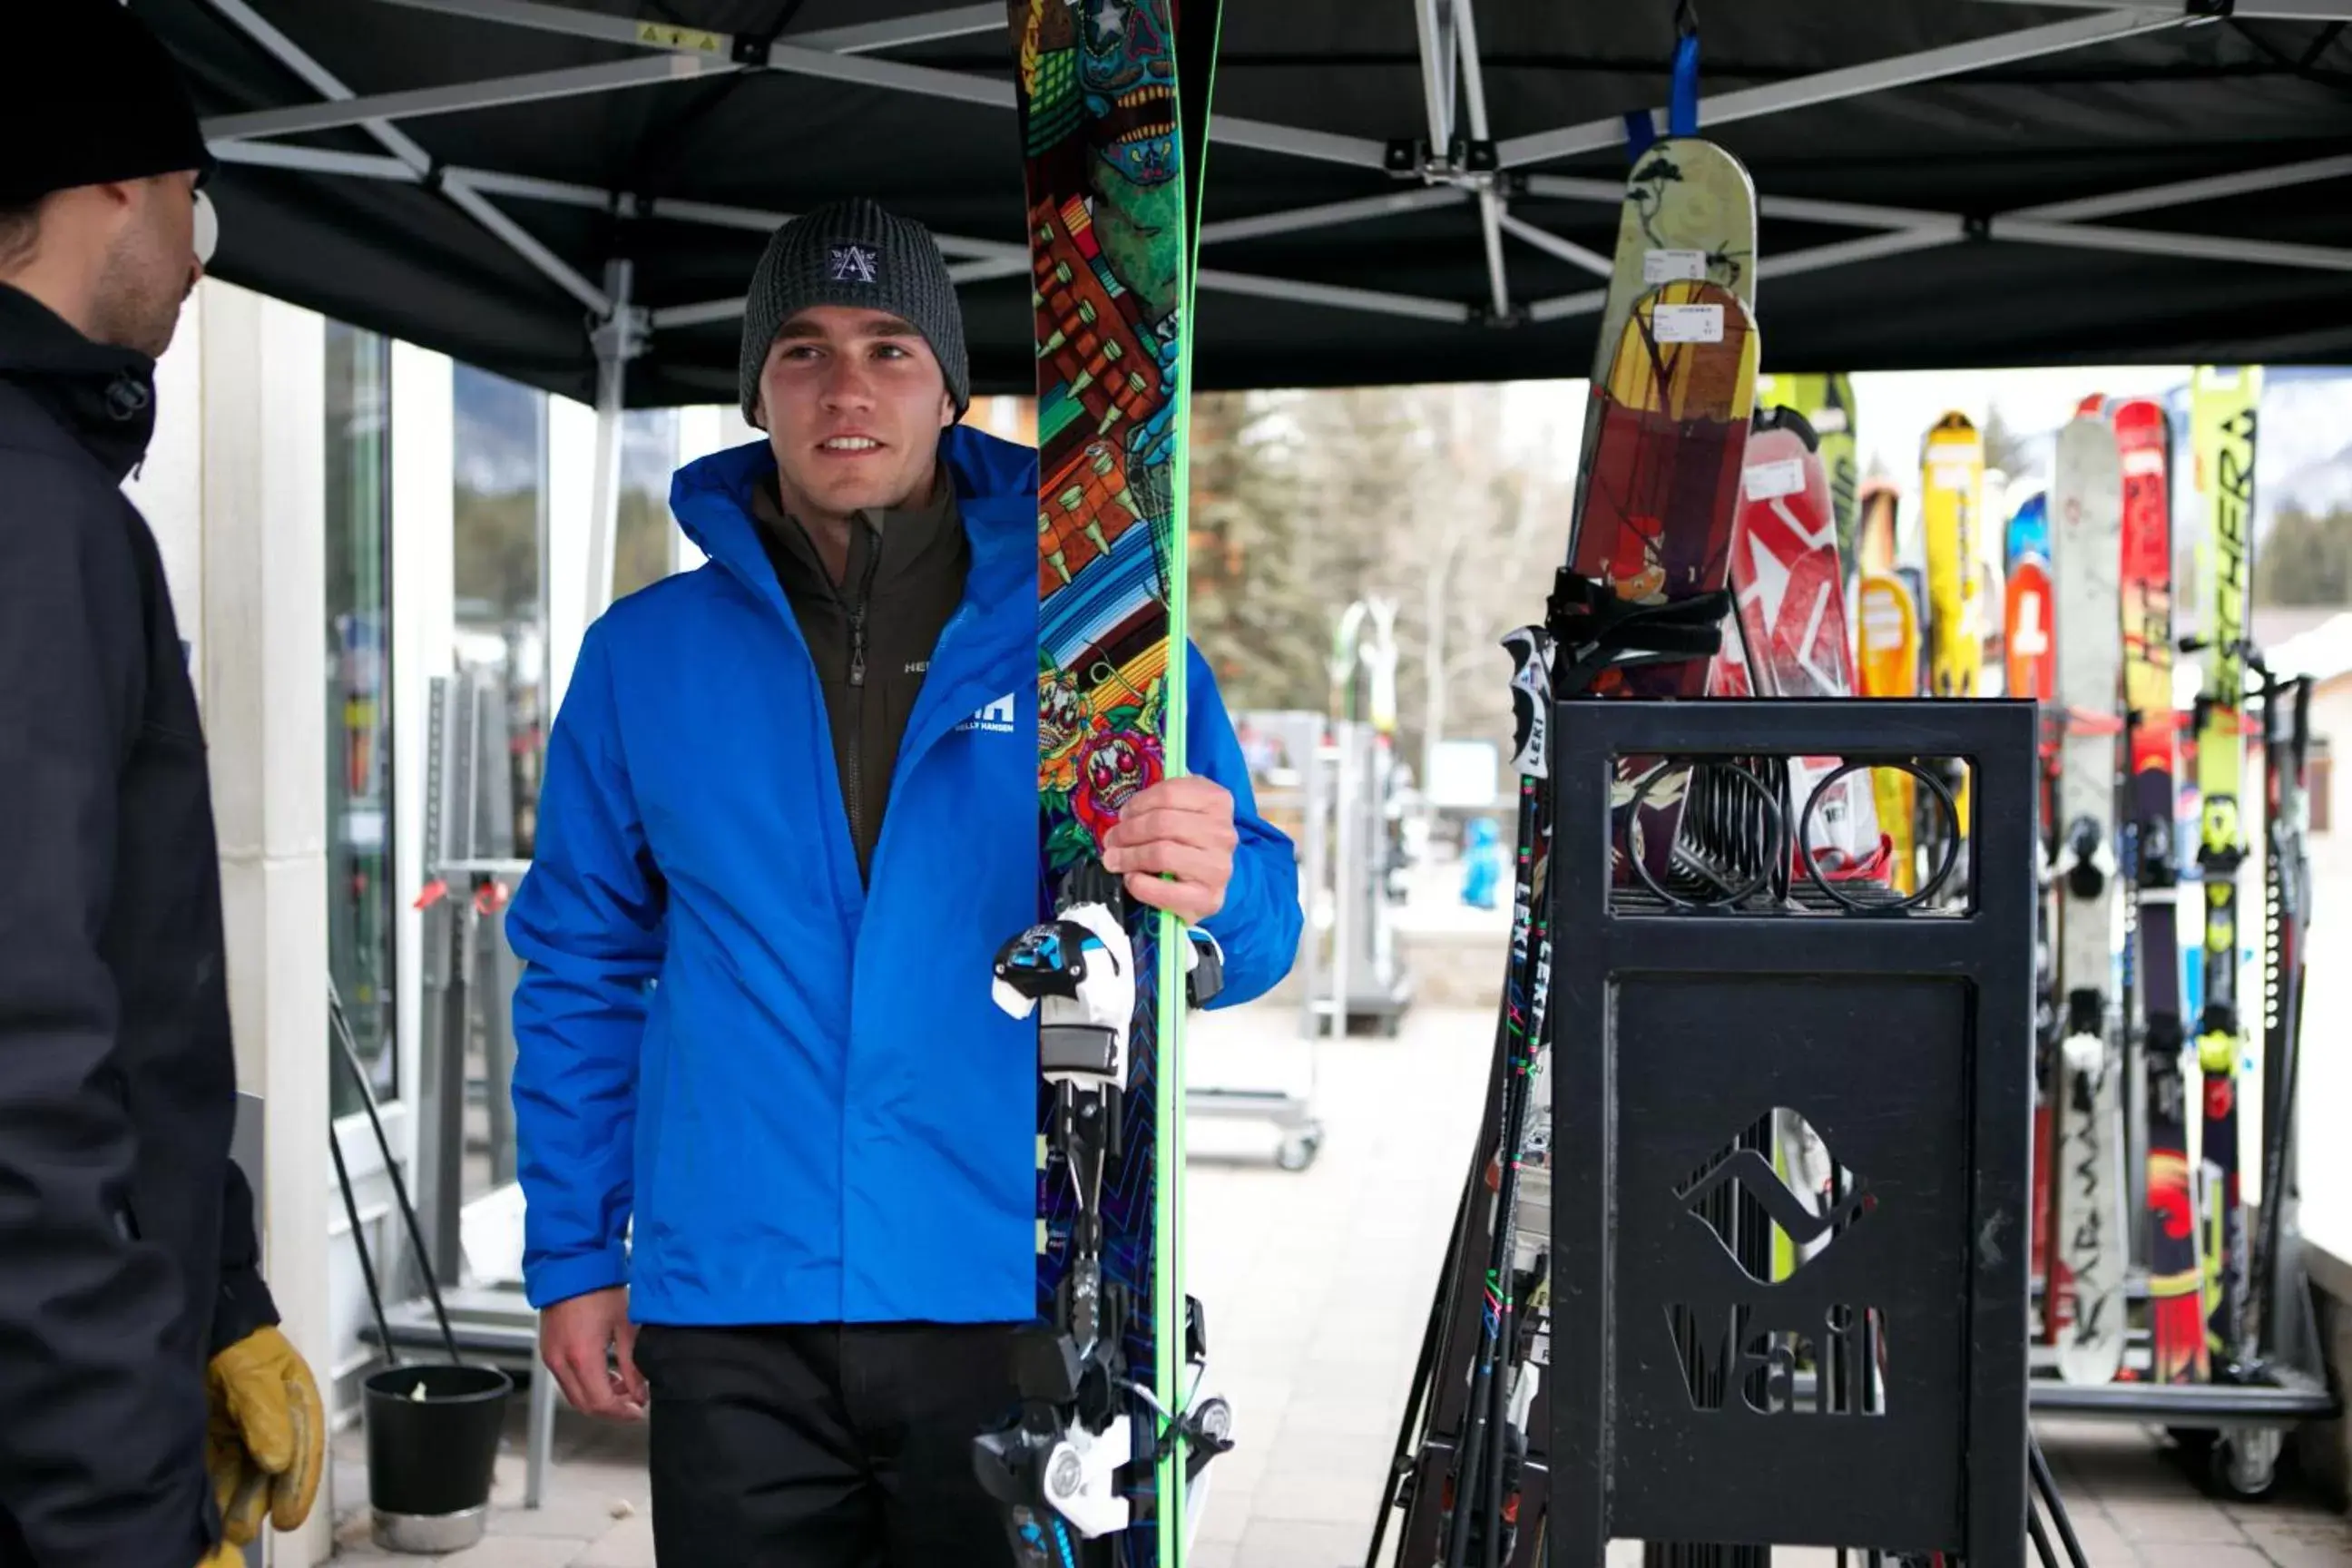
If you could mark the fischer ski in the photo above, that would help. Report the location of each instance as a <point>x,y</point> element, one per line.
<point>2222,420</point>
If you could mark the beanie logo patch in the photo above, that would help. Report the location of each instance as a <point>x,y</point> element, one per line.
<point>856,264</point>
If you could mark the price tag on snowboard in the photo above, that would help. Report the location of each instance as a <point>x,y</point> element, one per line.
<point>1674,267</point>
<point>1768,481</point>
<point>1687,323</point>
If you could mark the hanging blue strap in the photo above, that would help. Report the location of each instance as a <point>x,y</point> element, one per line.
<point>1681,107</point>
<point>1682,99</point>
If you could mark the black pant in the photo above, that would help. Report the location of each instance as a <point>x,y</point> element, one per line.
<point>825,1446</point>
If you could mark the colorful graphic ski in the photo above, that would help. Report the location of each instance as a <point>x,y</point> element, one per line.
<point>1886,658</point>
<point>1113,124</point>
<point>1785,578</point>
<point>2223,402</point>
<point>2143,437</point>
<point>2085,1297</point>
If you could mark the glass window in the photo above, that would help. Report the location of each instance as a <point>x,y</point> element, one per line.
<point>361,901</point>
<point>642,549</point>
<point>499,449</point>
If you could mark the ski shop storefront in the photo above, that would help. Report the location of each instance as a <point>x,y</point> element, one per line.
<point>573,196</point>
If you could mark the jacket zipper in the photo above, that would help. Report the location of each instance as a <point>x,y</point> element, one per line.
<point>857,689</point>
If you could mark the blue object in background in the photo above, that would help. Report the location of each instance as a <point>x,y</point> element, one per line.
<point>1482,862</point>
<point>2029,530</point>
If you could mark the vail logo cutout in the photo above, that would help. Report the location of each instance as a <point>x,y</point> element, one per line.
<point>996,717</point>
<point>1786,1354</point>
<point>1799,1205</point>
<point>856,264</point>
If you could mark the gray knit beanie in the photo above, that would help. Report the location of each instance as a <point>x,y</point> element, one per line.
<point>853,252</point>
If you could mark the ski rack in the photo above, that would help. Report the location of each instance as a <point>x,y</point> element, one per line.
<point>1874,1396</point>
<point>2245,1409</point>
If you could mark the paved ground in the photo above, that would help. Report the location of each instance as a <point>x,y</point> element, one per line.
<point>1318,1284</point>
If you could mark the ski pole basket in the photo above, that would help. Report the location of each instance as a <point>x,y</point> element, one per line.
<point>1790,1145</point>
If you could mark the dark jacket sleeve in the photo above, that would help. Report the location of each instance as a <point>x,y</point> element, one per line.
<point>244,1301</point>
<point>101,1442</point>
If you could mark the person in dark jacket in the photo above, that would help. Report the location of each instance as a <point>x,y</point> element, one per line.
<point>151,1412</point>
<point>777,1139</point>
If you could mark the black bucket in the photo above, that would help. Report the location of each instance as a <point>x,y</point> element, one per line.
<point>432,1445</point>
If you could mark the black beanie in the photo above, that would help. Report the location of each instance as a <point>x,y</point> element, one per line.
<point>854,253</point>
<point>88,95</point>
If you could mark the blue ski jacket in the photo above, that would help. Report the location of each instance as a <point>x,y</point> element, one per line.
<point>745,1085</point>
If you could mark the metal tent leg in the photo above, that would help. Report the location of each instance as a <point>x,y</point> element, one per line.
<point>544,1392</point>
<point>618,339</point>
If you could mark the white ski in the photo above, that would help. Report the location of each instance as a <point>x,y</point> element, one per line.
<point>2086,1290</point>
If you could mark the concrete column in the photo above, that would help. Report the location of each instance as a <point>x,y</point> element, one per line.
<point>264,687</point>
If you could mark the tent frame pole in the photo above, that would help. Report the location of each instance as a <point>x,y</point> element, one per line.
<point>619,339</point>
<point>1450,169</point>
<point>959,21</point>
<point>1853,82</point>
<point>402,146</point>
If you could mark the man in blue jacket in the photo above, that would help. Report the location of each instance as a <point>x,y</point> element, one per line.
<point>776,1140</point>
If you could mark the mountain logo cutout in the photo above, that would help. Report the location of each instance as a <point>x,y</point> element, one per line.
<point>1809,1200</point>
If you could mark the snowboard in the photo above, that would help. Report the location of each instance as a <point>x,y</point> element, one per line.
<point>1786,580</point>
<point>1659,510</point>
<point>1886,658</point>
<point>1689,216</point>
<point>2143,436</point>
<point>2083,1299</point>
<point>1114,1422</point>
<point>2223,402</point>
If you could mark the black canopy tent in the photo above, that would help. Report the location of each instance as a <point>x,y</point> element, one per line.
<point>573,194</point>
<point>1945,182</point>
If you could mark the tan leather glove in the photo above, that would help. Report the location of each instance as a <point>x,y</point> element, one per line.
<point>266,1441</point>
<point>228,1556</point>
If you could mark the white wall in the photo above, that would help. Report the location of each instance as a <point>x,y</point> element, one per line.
<point>234,491</point>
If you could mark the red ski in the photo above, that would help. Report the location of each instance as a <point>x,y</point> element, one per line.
<point>1791,591</point>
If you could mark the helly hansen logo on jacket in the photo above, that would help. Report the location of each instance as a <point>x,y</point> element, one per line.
<point>996,717</point>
